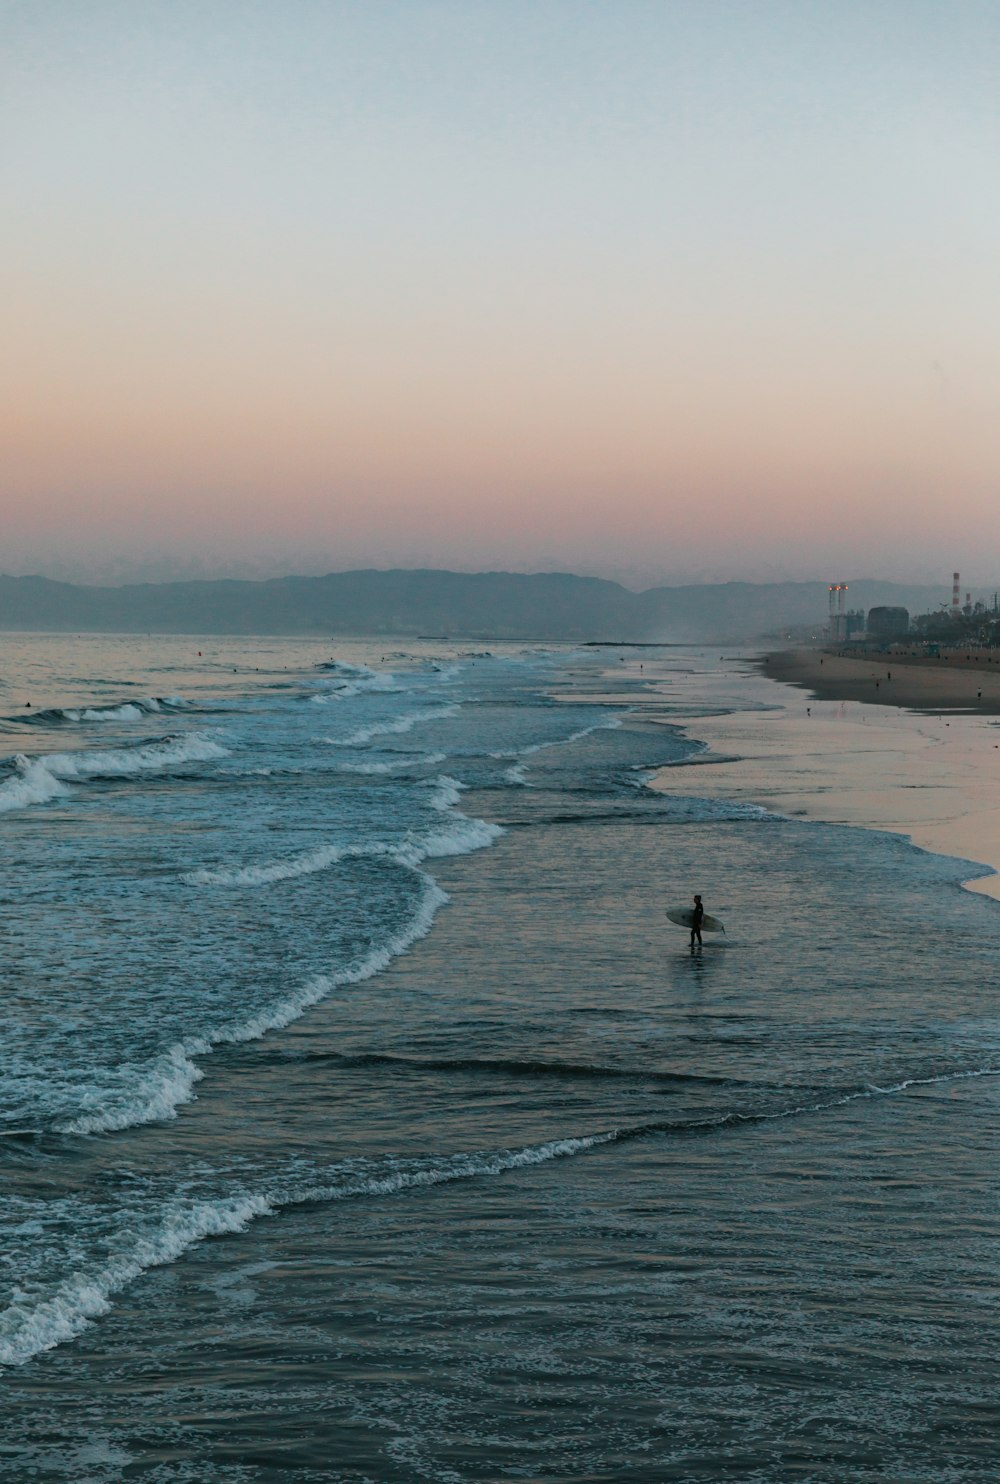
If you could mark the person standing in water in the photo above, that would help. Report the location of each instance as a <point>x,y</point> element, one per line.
<point>697,917</point>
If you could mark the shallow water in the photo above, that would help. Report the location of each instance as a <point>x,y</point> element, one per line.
<point>364,1119</point>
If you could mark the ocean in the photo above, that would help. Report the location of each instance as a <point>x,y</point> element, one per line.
<point>363,1119</point>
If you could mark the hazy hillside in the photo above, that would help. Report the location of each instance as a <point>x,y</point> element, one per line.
<point>459,605</point>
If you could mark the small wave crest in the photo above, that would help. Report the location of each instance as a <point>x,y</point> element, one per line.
<point>32,1325</point>
<point>153,1092</point>
<point>343,680</point>
<point>396,726</point>
<point>447,793</point>
<point>36,780</point>
<point>31,783</point>
<point>394,765</point>
<point>683,807</point>
<point>37,1323</point>
<point>342,667</point>
<point>131,710</point>
<point>607,723</point>
<point>165,752</point>
<point>461,836</point>
<point>522,1068</point>
<point>319,859</point>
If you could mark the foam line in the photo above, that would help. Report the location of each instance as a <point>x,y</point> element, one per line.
<point>609,723</point>
<point>115,711</point>
<point>461,836</point>
<point>448,792</point>
<point>27,1328</point>
<point>31,784</point>
<point>398,725</point>
<point>153,1092</point>
<point>166,752</point>
<point>406,760</point>
<point>305,864</point>
<point>35,780</point>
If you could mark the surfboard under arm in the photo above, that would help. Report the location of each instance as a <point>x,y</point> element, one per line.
<point>684,917</point>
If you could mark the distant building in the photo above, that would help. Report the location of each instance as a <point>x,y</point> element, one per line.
<point>888,623</point>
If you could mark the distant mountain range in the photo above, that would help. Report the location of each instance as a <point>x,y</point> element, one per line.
<point>457,605</point>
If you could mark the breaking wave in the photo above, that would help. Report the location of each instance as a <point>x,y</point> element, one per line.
<point>395,727</point>
<point>397,765</point>
<point>460,836</point>
<point>118,711</point>
<point>607,723</point>
<point>35,1324</point>
<point>35,780</point>
<point>153,1091</point>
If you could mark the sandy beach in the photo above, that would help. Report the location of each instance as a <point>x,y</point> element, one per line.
<point>916,758</point>
<point>959,681</point>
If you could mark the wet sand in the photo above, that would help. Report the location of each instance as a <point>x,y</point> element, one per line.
<point>963,681</point>
<point>851,760</point>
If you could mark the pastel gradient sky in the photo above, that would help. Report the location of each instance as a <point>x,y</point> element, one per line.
<point>664,290</point>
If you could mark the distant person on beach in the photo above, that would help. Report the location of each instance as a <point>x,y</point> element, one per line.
<point>697,917</point>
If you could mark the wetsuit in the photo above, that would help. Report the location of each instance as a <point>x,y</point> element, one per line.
<point>697,915</point>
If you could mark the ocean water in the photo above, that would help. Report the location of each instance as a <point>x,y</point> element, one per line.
<point>362,1118</point>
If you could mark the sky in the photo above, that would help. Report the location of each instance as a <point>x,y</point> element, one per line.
<point>659,290</point>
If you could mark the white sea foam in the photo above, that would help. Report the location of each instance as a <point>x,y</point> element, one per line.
<point>398,765</point>
<point>31,784</point>
<point>128,711</point>
<point>305,864</point>
<point>33,1324</point>
<point>462,838</point>
<point>353,680</point>
<point>133,710</point>
<point>154,1092</point>
<point>447,793</point>
<point>459,1167</point>
<point>607,723</point>
<point>276,1017</point>
<point>683,807</point>
<point>39,779</point>
<point>343,667</point>
<point>397,725</point>
<point>167,752</point>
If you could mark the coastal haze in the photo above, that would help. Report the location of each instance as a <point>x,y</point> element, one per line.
<point>493,605</point>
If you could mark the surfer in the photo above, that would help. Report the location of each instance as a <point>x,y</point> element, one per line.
<point>697,916</point>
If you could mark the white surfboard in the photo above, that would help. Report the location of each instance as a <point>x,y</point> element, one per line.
<point>684,916</point>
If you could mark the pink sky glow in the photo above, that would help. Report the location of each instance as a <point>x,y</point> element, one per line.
<point>658,291</point>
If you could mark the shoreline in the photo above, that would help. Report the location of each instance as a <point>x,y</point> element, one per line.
<point>934,778</point>
<point>962,682</point>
